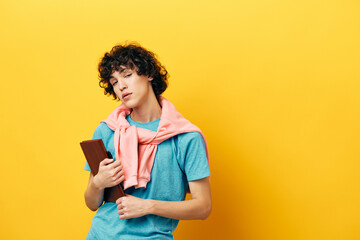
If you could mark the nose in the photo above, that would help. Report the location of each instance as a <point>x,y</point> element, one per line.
<point>122,85</point>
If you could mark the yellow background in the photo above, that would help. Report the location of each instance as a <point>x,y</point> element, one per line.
<point>274,85</point>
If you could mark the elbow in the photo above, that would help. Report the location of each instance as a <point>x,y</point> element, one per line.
<point>206,210</point>
<point>92,207</point>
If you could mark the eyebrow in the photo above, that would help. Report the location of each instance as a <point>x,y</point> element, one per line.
<point>122,69</point>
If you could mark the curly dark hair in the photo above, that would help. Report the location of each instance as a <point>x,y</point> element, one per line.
<point>132,55</point>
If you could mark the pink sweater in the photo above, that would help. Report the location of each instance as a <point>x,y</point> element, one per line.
<point>136,147</point>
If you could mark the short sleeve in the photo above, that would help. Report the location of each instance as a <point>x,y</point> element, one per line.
<point>97,135</point>
<point>193,157</point>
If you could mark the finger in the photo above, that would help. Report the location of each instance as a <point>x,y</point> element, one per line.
<point>118,173</point>
<point>117,169</point>
<point>122,214</point>
<point>118,201</point>
<point>119,206</point>
<point>117,182</point>
<point>105,161</point>
<point>117,178</point>
<point>116,163</point>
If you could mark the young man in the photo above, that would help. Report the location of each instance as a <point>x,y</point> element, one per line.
<point>159,155</point>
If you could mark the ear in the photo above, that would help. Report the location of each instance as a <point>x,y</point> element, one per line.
<point>150,79</point>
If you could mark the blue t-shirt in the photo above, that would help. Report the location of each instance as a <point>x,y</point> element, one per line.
<point>179,159</point>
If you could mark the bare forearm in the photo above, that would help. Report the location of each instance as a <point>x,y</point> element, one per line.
<point>110,174</point>
<point>182,210</point>
<point>199,207</point>
<point>93,195</point>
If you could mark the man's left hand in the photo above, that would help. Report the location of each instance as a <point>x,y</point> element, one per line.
<point>132,207</point>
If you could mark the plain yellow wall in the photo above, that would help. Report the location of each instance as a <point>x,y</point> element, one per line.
<point>274,85</point>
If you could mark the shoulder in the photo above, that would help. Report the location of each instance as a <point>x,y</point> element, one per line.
<point>190,137</point>
<point>190,142</point>
<point>103,127</point>
<point>102,131</point>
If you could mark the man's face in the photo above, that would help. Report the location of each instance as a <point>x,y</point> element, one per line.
<point>132,89</point>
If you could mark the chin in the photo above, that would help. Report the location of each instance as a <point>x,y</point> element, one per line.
<point>129,104</point>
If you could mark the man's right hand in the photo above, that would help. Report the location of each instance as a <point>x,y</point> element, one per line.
<point>110,174</point>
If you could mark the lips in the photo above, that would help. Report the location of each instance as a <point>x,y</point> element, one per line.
<point>125,95</point>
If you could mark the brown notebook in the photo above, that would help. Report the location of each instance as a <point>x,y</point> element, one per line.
<point>95,152</point>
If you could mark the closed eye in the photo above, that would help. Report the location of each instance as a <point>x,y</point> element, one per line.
<point>114,83</point>
<point>128,75</point>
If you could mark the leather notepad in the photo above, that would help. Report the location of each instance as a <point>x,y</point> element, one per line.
<point>95,152</point>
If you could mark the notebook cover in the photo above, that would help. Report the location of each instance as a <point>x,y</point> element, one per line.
<point>95,152</point>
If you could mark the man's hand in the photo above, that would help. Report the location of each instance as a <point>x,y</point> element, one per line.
<point>132,207</point>
<point>199,207</point>
<point>110,174</point>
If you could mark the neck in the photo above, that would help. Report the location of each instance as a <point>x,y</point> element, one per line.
<point>147,112</point>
